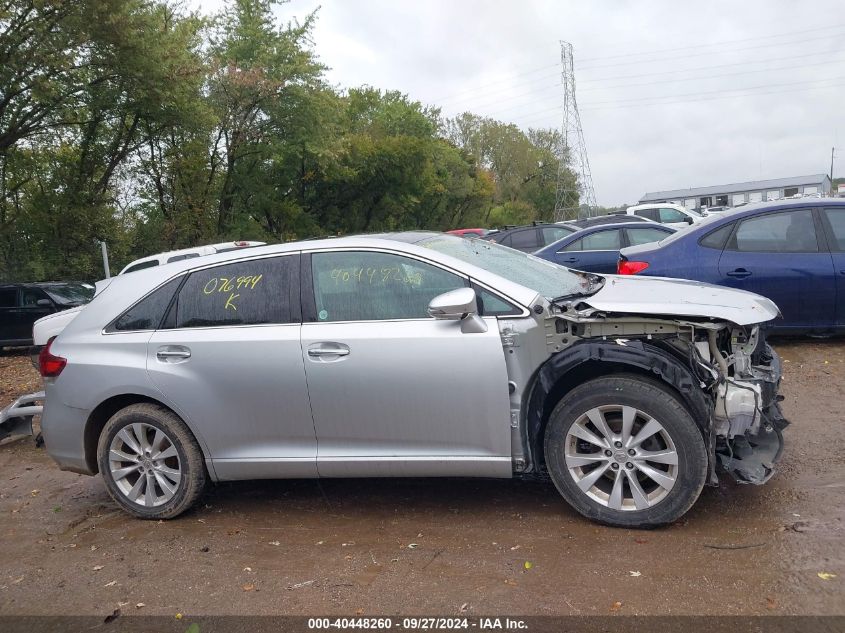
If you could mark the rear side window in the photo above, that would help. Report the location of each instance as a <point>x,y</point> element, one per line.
<point>8,297</point>
<point>644,235</point>
<point>525,239</point>
<point>554,233</point>
<point>601,241</point>
<point>836,218</point>
<point>254,292</point>
<point>650,214</point>
<point>786,232</point>
<point>149,312</point>
<point>716,239</point>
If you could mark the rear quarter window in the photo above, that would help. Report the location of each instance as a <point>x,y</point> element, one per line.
<point>717,239</point>
<point>149,312</point>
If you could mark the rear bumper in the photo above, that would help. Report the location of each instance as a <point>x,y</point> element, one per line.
<point>63,429</point>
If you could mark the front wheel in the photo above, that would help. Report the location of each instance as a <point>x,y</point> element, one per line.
<point>624,451</point>
<point>151,463</point>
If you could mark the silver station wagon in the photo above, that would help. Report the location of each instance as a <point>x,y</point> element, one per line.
<point>414,355</point>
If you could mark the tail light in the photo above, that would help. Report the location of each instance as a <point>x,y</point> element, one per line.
<point>625,267</point>
<point>50,365</point>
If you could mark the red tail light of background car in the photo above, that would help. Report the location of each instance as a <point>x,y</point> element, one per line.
<point>625,267</point>
<point>50,365</point>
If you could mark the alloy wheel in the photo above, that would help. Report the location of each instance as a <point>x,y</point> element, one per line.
<point>621,457</point>
<point>144,464</point>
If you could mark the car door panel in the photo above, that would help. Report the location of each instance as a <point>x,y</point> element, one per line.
<point>801,283</point>
<point>244,384</point>
<point>416,397</point>
<point>833,219</point>
<point>396,392</point>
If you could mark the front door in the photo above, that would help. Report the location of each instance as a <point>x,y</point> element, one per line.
<point>229,361</point>
<point>781,256</point>
<point>834,220</point>
<point>393,391</point>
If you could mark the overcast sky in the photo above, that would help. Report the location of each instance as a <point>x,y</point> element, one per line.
<point>672,94</point>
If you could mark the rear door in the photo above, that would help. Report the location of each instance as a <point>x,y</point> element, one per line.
<point>597,252</point>
<point>393,391</point>
<point>229,360</point>
<point>783,256</point>
<point>833,219</point>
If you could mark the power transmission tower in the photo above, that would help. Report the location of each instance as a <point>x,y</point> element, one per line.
<point>572,152</point>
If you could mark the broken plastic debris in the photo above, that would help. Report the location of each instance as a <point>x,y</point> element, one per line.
<point>634,574</point>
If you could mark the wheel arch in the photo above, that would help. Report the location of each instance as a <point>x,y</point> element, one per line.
<point>586,360</point>
<point>103,412</point>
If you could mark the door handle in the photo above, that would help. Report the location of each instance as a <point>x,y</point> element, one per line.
<point>173,353</point>
<point>739,273</point>
<point>321,350</point>
<point>570,260</point>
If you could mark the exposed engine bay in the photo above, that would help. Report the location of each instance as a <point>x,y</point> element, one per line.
<point>737,372</point>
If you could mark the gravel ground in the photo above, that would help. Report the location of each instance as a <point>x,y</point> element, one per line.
<point>442,547</point>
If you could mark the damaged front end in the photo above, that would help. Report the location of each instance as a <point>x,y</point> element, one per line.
<point>731,385</point>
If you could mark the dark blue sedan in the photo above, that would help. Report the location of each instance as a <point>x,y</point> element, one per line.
<point>596,249</point>
<point>791,251</point>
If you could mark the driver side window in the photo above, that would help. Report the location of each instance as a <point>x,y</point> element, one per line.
<point>371,286</point>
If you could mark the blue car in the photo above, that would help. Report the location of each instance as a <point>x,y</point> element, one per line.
<point>596,249</point>
<point>791,251</point>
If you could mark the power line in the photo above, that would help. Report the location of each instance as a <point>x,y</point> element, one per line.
<point>719,43</point>
<point>657,74</point>
<point>674,57</point>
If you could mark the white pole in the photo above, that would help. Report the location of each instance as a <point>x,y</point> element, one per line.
<point>104,248</point>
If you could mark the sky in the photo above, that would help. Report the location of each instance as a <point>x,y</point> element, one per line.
<point>670,94</point>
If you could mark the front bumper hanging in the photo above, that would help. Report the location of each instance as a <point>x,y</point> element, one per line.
<point>16,419</point>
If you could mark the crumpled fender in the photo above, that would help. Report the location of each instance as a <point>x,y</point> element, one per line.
<point>641,355</point>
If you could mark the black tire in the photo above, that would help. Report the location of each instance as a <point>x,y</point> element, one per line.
<point>190,460</point>
<point>652,399</point>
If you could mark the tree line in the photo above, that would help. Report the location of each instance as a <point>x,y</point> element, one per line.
<point>151,128</point>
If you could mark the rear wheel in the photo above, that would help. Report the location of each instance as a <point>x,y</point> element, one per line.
<point>624,451</point>
<point>150,461</point>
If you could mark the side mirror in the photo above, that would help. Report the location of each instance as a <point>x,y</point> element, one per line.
<point>458,305</point>
<point>44,303</point>
<point>690,220</point>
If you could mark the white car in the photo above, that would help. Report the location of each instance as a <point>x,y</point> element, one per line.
<point>51,325</point>
<point>185,253</point>
<point>667,213</point>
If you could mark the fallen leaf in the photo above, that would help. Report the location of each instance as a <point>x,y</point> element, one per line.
<point>110,584</point>
<point>464,607</point>
<point>616,606</point>
<point>359,612</point>
<point>634,574</point>
<point>771,604</point>
<point>301,584</point>
<point>346,544</point>
<point>528,564</point>
<point>511,582</point>
<point>17,581</point>
<point>248,587</point>
<point>140,605</point>
<point>93,547</point>
<point>640,541</point>
<point>276,543</point>
<point>34,493</point>
<point>247,568</point>
<point>97,567</point>
<point>320,542</point>
<point>178,616</point>
<point>824,575</point>
<point>122,604</point>
<point>515,547</point>
<point>413,545</point>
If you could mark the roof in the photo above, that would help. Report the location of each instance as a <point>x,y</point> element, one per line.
<point>751,185</point>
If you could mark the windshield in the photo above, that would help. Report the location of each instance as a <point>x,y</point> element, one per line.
<point>695,212</point>
<point>548,279</point>
<point>70,293</point>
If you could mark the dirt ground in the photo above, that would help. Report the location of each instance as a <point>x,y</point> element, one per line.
<point>439,547</point>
